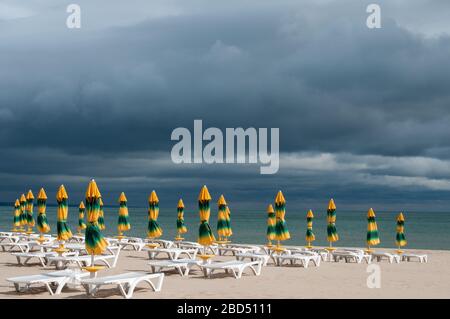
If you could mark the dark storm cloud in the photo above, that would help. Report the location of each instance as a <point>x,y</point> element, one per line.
<point>104,99</point>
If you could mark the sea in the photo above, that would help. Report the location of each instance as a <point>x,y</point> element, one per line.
<point>423,230</point>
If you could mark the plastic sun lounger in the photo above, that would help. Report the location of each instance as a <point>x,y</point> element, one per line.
<point>22,246</point>
<point>304,259</point>
<point>264,258</point>
<point>137,246</point>
<point>163,243</point>
<point>420,257</point>
<point>183,266</point>
<point>237,267</point>
<point>109,261</point>
<point>384,255</point>
<point>234,250</point>
<point>190,244</point>
<point>348,256</point>
<point>23,258</point>
<point>56,278</point>
<point>126,282</point>
<point>172,253</point>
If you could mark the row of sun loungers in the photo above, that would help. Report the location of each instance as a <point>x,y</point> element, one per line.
<point>181,256</point>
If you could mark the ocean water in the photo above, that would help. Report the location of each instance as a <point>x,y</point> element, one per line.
<point>424,230</point>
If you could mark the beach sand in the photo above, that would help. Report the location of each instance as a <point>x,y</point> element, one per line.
<point>330,280</point>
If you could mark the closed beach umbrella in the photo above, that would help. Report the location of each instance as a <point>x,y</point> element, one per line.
<point>281,230</point>
<point>222,228</point>
<point>41,220</point>
<point>181,227</point>
<point>81,223</point>
<point>229,230</point>
<point>205,235</point>
<point>400,238</point>
<point>123,223</point>
<point>372,231</point>
<point>29,209</point>
<point>62,227</point>
<point>101,217</point>
<point>154,230</point>
<point>23,214</point>
<point>271,221</point>
<point>332,235</point>
<point>94,241</point>
<point>310,237</point>
<point>16,222</point>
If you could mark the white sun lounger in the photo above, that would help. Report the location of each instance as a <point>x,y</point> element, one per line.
<point>56,278</point>
<point>420,257</point>
<point>253,257</point>
<point>23,258</point>
<point>356,256</point>
<point>183,266</point>
<point>23,246</point>
<point>222,250</point>
<point>9,239</point>
<point>109,261</point>
<point>172,253</point>
<point>126,282</point>
<point>137,246</point>
<point>304,259</point>
<point>163,243</point>
<point>190,244</point>
<point>379,255</point>
<point>237,267</point>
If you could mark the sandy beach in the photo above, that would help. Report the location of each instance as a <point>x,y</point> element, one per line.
<point>330,280</point>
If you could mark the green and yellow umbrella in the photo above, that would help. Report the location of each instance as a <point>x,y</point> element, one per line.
<point>16,222</point>
<point>29,209</point>
<point>205,235</point>
<point>101,217</point>
<point>222,225</point>
<point>400,238</point>
<point>281,230</point>
<point>310,237</point>
<point>23,214</point>
<point>62,227</point>
<point>41,220</point>
<point>81,223</point>
<point>230,231</point>
<point>271,222</point>
<point>332,235</point>
<point>181,227</point>
<point>123,223</point>
<point>154,230</point>
<point>372,230</point>
<point>94,241</point>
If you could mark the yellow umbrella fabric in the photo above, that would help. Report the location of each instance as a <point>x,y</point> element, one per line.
<point>16,222</point>
<point>81,223</point>
<point>332,235</point>
<point>281,230</point>
<point>101,217</point>
<point>205,235</point>
<point>153,230</point>
<point>62,228</point>
<point>94,241</point>
<point>42,223</point>
<point>23,214</point>
<point>310,237</point>
<point>181,227</point>
<point>29,209</point>
<point>271,222</point>
<point>123,223</point>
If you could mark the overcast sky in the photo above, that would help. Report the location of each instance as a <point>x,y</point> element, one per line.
<point>364,114</point>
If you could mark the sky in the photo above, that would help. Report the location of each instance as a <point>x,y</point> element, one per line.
<point>364,114</point>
